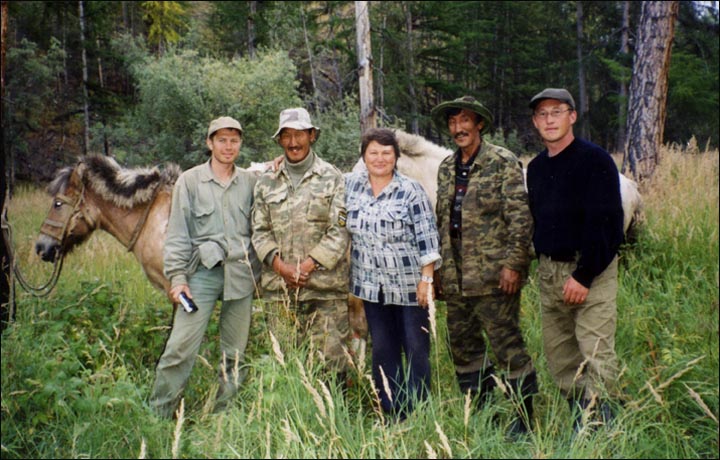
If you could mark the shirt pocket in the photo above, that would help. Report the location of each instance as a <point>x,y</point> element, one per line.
<point>394,224</point>
<point>353,218</point>
<point>203,209</point>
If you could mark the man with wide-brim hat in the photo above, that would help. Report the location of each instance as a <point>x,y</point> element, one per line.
<point>440,113</point>
<point>485,228</point>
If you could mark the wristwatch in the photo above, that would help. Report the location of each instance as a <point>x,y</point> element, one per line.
<point>427,279</point>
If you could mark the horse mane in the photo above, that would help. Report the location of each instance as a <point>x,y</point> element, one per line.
<point>123,187</point>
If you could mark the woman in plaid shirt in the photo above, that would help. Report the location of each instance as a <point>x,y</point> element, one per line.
<point>395,250</point>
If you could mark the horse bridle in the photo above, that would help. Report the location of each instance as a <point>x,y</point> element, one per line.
<point>49,228</point>
<point>58,230</point>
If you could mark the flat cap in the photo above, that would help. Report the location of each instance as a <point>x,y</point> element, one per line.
<point>561,94</point>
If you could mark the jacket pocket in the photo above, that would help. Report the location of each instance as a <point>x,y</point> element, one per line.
<point>318,209</point>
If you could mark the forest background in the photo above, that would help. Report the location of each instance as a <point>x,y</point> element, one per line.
<point>157,72</point>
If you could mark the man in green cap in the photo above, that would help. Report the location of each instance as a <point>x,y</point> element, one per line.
<point>485,228</point>
<point>208,256</point>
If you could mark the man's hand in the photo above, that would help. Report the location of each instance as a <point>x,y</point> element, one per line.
<point>295,276</point>
<point>509,281</point>
<point>574,293</point>
<point>174,294</point>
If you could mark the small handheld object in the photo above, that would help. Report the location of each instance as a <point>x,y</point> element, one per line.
<point>187,303</point>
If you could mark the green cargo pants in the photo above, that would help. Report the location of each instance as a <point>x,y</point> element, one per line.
<point>576,336</point>
<point>174,367</point>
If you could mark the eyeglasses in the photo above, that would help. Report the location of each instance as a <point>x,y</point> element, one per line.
<point>552,114</point>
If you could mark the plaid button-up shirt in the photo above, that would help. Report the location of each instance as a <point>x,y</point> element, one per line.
<point>393,236</point>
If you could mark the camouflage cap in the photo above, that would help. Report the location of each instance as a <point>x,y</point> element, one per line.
<point>223,122</point>
<point>297,118</point>
<point>439,113</point>
<point>561,94</point>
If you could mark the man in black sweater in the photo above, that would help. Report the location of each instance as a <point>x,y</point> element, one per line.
<point>574,197</point>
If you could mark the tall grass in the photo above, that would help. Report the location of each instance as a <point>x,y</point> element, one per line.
<point>78,366</point>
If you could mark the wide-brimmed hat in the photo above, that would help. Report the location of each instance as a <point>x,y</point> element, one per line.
<point>561,94</point>
<point>297,118</point>
<point>223,122</point>
<point>439,113</point>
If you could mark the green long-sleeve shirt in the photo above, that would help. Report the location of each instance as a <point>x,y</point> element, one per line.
<point>210,224</point>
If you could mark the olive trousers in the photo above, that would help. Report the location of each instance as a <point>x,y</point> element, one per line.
<point>579,340</point>
<point>176,363</point>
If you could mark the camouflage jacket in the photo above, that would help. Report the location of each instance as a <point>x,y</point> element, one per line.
<point>496,221</point>
<point>305,221</point>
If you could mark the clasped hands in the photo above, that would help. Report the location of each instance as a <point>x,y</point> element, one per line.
<point>295,275</point>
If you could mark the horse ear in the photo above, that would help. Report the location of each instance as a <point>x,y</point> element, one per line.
<point>76,177</point>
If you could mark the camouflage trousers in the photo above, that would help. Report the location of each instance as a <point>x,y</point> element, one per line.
<point>324,323</point>
<point>496,315</point>
<point>579,340</point>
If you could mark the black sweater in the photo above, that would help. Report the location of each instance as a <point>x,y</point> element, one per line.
<point>575,202</point>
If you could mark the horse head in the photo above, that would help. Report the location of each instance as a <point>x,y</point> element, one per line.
<point>70,220</point>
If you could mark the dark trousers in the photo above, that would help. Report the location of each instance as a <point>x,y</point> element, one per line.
<point>395,329</point>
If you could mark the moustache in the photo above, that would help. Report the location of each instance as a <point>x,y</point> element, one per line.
<point>461,134</point>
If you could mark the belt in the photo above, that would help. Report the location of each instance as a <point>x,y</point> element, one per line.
<point>561,257</point>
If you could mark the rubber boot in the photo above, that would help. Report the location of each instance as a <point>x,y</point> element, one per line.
<point>480,384</point>
<point>524,389</point>
<point>577,408</point>
<point>606,414</point>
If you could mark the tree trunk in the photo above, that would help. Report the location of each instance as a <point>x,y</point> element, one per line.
<point>86,107</point>
<point>582,87</point>
<point>251,29</point>
<point>316,102</point>
<point>410,53</point>
<point>364,52</point>
<point>622,103</point>
<point>648,88</point>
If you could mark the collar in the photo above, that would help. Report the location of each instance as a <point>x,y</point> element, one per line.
<point>207,174</point>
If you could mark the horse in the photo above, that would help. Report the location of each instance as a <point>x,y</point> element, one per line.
<point>131,205</point>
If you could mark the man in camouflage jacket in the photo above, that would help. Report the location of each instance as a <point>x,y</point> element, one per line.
<point>485,229</point>
<point>299,234</point>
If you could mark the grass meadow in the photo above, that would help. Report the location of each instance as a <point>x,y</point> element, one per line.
<point>78,365</point>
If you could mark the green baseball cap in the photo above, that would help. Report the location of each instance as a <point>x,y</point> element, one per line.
<point>439,113</point>
<point>223,122</point>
